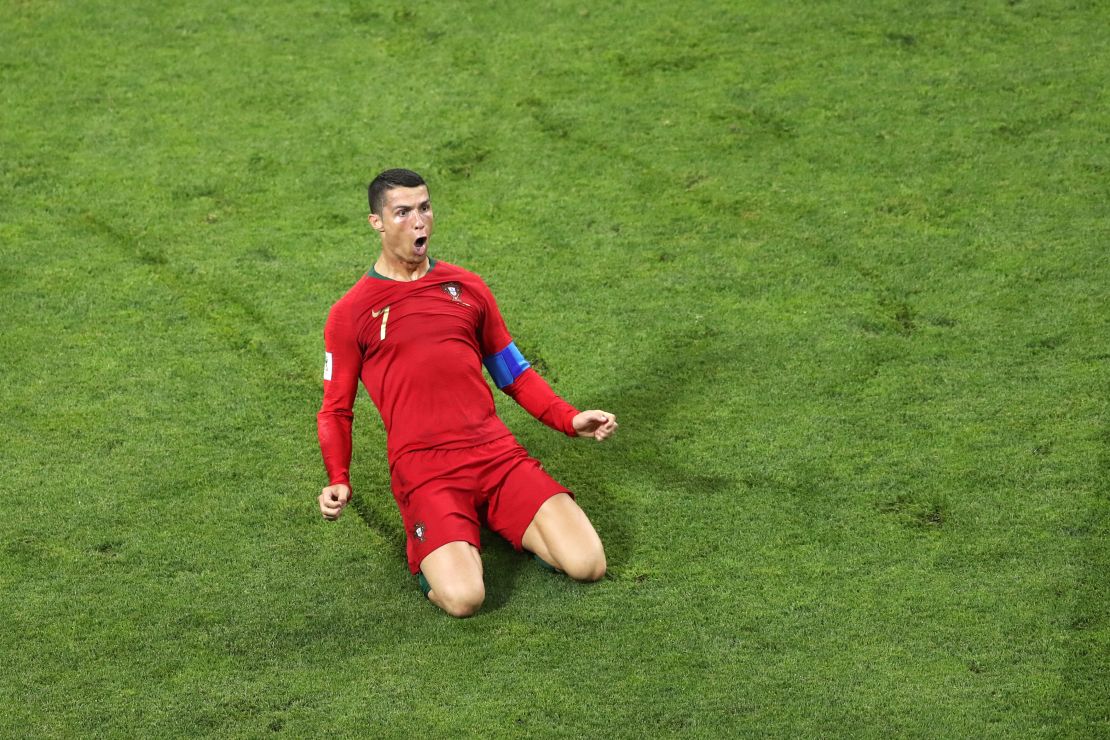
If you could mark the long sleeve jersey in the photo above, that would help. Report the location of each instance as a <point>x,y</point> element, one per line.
<point>418,347</point>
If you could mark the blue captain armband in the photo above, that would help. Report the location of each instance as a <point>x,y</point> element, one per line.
<point>506,366</point>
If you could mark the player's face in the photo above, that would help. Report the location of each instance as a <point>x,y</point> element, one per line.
<point>405,224</point>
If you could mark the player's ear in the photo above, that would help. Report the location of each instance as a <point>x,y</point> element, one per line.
<point>375,221</point>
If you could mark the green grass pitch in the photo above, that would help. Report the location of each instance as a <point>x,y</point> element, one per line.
<point>840,268</point>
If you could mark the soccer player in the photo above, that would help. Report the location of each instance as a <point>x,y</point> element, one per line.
<point>416,331</point>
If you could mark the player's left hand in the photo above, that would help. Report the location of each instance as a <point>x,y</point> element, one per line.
<point>597,424</point>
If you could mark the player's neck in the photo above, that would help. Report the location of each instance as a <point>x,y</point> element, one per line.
<point>401,271</point>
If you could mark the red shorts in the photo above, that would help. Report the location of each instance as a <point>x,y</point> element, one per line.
<point>446,495</point>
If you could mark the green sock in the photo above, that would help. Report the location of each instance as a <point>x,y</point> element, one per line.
<point>546,565</point>
<point>424,585</point>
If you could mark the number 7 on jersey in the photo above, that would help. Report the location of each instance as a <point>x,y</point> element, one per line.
<point>384,313</point>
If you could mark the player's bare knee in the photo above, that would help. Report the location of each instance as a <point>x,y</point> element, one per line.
<point>461,601</point>
<point>586,565</point>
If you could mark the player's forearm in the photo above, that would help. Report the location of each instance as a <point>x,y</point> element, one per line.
<point>536,397</point>
<point>333,428</point>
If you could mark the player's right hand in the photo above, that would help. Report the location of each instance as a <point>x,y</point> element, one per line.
<point>332,500</point>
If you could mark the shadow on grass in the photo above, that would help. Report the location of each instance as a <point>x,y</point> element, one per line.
<point>387,527</point>
<point>649,454</point>
<point>503,567</point>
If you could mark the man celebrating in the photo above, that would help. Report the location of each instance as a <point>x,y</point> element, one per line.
<point>416,331</point>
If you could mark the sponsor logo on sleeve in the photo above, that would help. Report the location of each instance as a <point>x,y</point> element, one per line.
<point>327,366</point>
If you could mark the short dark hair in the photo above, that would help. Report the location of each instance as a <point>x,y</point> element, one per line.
<point>396,178</point>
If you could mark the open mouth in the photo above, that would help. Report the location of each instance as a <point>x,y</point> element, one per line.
<point>420,246</point>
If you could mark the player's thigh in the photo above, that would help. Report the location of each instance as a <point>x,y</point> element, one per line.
<point>438,511</point>
<point>561,527</point>
<point>519,488</point>
<point>454,572</point>
<point>455,560</point>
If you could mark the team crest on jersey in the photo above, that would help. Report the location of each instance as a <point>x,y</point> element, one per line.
<point>455,291</point>
<point>418,531</point>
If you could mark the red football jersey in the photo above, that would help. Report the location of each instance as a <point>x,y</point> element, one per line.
<point>418,348</point>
